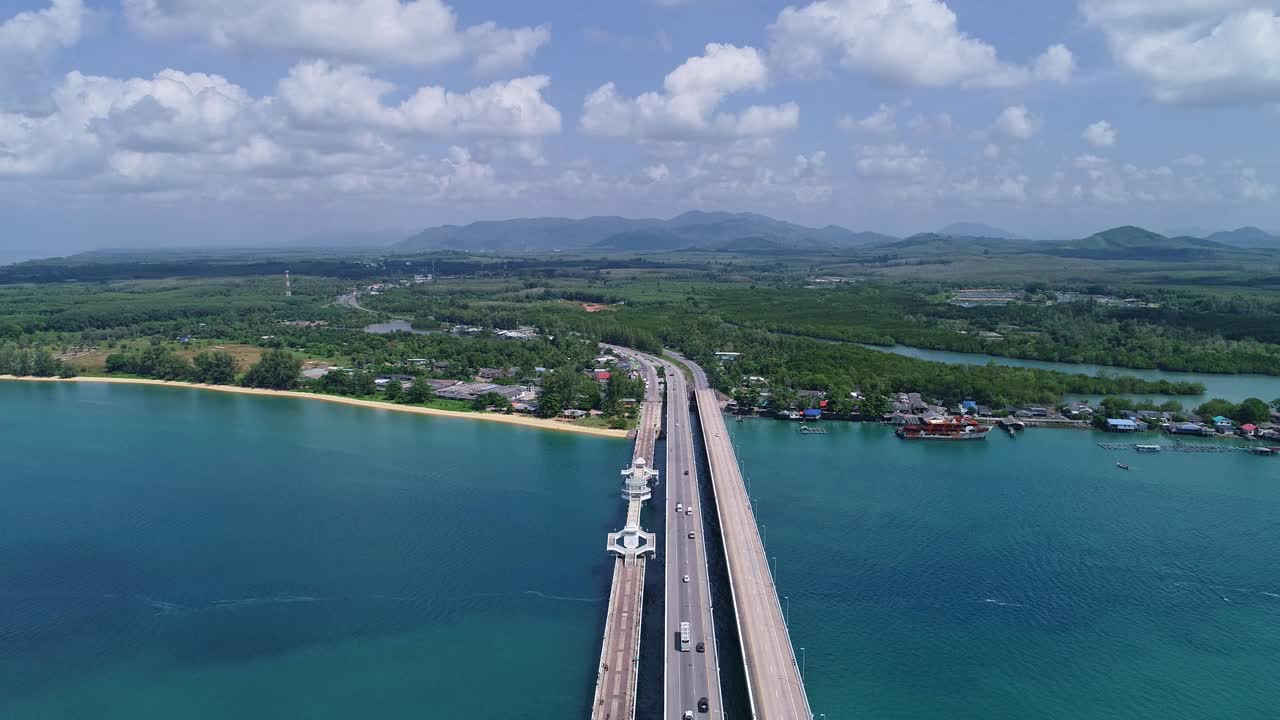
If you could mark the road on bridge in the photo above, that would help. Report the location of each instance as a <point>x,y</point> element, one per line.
<point>773,678</point>
<point>690,675</point>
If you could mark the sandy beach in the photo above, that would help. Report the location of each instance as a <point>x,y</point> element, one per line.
<point>522,420</point>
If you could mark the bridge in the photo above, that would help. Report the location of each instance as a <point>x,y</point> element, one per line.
<point>690,674</point>
<point>774,684</point>
<point>618,673</point>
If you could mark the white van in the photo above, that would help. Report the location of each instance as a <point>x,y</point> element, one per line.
<point>679,507</point>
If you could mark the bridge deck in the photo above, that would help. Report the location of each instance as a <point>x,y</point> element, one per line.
<point>773,677</point>
<point>619,669</point>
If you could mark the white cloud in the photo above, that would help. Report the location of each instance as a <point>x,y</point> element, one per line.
<point>415,33</point>
<point>907,42</point>
<point>808,166</point>
<point>940,124</point>
<point>1017,123</point>
<point>318,93</point>
<point>1253,188</point>
<point>28,39</point>
<point>178,132</point>
<point>1100,134</point>
<point>991,151</point>
<point>1057,64</point>
<point>900,161</point>
<point>687,106</point>
<point>657,172</point>
<point>881,122</point>
<point>1195,51</point>
<point>1192,160</point>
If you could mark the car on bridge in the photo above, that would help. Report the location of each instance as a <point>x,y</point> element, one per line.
<point>702,705</point>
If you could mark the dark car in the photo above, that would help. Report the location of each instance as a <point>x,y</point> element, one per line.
<point>691,535</point>
<point>702,705</point>
<point>686,472</point>
<point>702,647</point>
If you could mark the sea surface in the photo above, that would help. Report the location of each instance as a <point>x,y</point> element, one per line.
<point>1022,578</point>
<point>172,553</point>
<point>169,553</point>
<point>1228,387</point>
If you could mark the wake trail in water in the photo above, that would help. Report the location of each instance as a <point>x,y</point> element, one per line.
<point>1001,603</point>
<point>565,598</point>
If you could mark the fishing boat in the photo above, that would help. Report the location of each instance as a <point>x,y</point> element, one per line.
<point>952,428</point>
<point>810,430</point>
<point>1122,466</point>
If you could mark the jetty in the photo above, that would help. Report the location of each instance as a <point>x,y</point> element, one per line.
<point>1189,448</point>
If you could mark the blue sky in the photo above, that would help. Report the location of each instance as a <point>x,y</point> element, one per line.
<point>256,122</point>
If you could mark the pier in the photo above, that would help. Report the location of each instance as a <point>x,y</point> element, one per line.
<point>619,669</point>
<point>1186,448</point>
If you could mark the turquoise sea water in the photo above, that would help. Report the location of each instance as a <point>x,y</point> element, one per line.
<point>1022,578</point>
<point>168,553</point>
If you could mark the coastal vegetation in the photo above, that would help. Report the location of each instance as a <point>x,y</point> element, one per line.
<point>802,320</point>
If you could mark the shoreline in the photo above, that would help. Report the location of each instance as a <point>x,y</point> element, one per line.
<point>520,420</point>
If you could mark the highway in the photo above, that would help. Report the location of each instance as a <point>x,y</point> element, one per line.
<point>618,671</point>
<point>689,675</point>
<point>774,684</point>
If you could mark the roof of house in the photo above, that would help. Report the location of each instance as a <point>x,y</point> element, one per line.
<point>1248,427</point>
<point>813,412</point>
<point>1116,422</point>
<point>1221,419</point>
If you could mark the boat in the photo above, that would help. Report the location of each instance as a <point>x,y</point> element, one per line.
<point>1122,466</point>
<point>1263,451</point>
<point>953,428</point>
<point>807,430</point>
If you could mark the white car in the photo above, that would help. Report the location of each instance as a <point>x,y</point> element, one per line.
<point>686,578</point>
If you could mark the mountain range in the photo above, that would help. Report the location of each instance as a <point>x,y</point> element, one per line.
<point>750,233</point>
<point>688,230</point>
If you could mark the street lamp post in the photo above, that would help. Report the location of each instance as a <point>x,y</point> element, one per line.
<point>775,569</point>
<point>764,535</point>
<point>802,664</point>
<point>787,620</point>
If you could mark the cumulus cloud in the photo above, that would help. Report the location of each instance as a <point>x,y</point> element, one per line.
<point>881,122</point>
<point>27,39</point>
<point>319,93</point>
<point>906,42</point>
<point>1202,52</point>
<point>415,33</point>
<point>893,161</point>
<point>691,95</point>
<point>1017,123</point>
<point>1057,64</point>
<point>1100,134</point>
<point>326,123</point>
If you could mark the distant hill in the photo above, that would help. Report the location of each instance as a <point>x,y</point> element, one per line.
<point>1247,237</point>
<point>648,239</point>
<point>924,244</point>
<point>1135,243</point>
<point>689,230</point>
<point>970,229</point>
